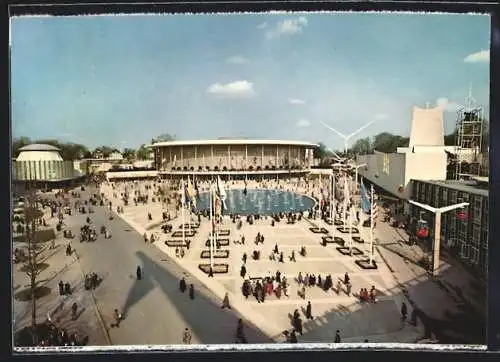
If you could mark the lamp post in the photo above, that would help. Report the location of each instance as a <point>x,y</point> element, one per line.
<point>437,229</point>
<point>356,167</point>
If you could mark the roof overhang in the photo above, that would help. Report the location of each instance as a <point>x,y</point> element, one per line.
<point>234,142</point>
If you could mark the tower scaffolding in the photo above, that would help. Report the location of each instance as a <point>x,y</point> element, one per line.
<point>469,139</point>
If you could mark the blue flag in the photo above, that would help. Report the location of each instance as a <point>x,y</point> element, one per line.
<point>365,198</point>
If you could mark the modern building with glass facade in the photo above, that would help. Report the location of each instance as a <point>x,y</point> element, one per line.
<point>464,233</point>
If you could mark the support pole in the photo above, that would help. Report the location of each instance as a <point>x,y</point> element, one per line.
<point>350,226</point>
<point>437,243</point>
<point>211,237</point>
<point>183,202</point>
<point>333,207</point>
<point>345,202</point>
<point>331,197</point>
<point>372,205</point>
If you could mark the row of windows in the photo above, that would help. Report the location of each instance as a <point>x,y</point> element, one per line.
<point>469,235</point>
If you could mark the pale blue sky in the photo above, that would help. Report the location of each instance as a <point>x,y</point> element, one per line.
<point>121,80</point>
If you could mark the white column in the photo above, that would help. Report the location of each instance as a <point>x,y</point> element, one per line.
<point>182,157</point>
<point>211,154</point>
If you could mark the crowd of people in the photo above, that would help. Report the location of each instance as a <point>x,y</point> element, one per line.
<point>165,193</point>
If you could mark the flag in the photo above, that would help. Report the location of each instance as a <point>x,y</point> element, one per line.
<point>197,191</point>
<point>221,193</point>
<point>183,194</point>
<point>217,205</point>
<point>373,209</point>
<point>365,198</point>
<point>191,193</point>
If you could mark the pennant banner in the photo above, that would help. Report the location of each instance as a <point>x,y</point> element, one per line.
<point>365,198</point>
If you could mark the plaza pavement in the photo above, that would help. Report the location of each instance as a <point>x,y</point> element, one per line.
<point>356,322</point>
<point>67,269</point>
<point>155,311</point>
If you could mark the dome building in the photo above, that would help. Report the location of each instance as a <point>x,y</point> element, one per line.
<point>42,164</point>
<point>39,152</point>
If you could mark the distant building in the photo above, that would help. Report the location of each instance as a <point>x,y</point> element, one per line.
<point>424,159</point>
<point>41,165</point>
<point>464,232</point>
<point>235,158</point>
<point>115,156</point>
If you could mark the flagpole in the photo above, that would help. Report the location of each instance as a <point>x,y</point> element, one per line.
<point>345,201</point>
<point>183,201</point>
<point>371,224</point>
<point>189,220</point>
<point>333,207</point>
<point>211,247</point>
<point>331,197</point>
<point>350,223</point>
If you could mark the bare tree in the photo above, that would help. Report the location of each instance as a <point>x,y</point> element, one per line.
<point>32,264</point>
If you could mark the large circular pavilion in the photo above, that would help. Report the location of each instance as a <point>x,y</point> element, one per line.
<point>233,156</point>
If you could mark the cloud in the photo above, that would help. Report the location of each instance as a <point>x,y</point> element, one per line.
<point>240,88</point>
<point>446,105</point>
<point>303,123</point>
<point>287,27</point>
<point>482,56</point>
<point>236,59</point>
<point>296,101</point>
<point>262,25</point>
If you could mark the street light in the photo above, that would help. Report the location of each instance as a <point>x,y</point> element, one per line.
<point>356,167</point>
<point>437,229</point>
<point>349,136</point>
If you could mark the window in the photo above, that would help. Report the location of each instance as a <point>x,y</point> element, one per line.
<point>474,255</point>
<point>464,250</point>
<point>477,208</point>
<point>462,225</point>
<point>453,197</point>
<point>445,197</point>
<point>484,238</point>
<point>476,234</point>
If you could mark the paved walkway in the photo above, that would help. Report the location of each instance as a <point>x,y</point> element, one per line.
<point>154,309</point>
<point>67,269</point>
<point>333,311</point>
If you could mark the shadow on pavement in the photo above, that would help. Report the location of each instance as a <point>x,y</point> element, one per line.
<point>459,324</point>
<point>203,316</point>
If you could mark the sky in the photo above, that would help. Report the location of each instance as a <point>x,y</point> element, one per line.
<point>122,80</point>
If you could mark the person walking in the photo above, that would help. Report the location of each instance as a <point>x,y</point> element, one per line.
<point>191,291</point>
<point>186,336</point>
<point>337,336</point>
<point>139,273</point>
<point>182,285</point>
<point>309,311</point>
<point>404,312</point>
<point>225,302</point>
<point>118,318</point>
